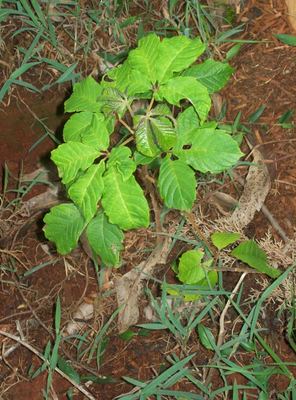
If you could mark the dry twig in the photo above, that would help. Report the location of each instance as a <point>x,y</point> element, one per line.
<point>29,347</point>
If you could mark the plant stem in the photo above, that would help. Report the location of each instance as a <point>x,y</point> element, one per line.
<point>150,105</point>
<point>129,139</point>
<point>130,110</point>
<point>126,126</point>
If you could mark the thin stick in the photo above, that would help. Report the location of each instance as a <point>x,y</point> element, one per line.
<point>285,182</point>
<point>222,330</point>
<point>274,223</point>
<point>223,314</point>
<point>29,347</point>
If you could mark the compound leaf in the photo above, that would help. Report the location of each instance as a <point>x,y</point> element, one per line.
<point>76,126</point>
<point>120,159</point>
<point>105,239</point>
<point>98,135</point>
<point>175,55</point>
<point>63,226</point>
<point>72,157</point>
<point>224,239</point>
<point>85,96</point>
<point>212,74</point>
<point>187,87</point>
<point>155,135</point>
<point>145,57</point>
<point>177,184</point>
<point>208,149</point>
<point>161,109</point>
<point>129,81</point>
<point>88,128</point>
<point>124,201</point>
<point>250,253</point>
<point>87,190</point>
<point>114,101</point>
<point>187,122</point>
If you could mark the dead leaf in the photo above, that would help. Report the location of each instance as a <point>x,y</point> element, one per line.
<point>43,200</point>
<point>129,286</point>
<point>223,202</point>
<point>83,314</point>
<point>256,188</point>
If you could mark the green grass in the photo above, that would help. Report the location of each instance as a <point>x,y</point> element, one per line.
<point>64,41</point>
<point>248,340</point>
<point>68,41</point>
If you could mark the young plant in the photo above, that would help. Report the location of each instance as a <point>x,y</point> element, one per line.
<point>193,271</point>
<point>161,105</point>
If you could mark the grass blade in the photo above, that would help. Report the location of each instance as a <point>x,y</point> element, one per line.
<point>30,13</point>
<point>35,41</point>
<point>39,12</point>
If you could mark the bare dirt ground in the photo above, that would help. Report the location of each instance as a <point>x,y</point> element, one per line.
<point>265,74</point>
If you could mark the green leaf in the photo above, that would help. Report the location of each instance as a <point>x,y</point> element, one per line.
<point>64,366</point>
<point>120,159</point>
<point>88,128</point>
<point>223,239</point>
<point>72,157</point>
<point>286,117</point>
<point>206,337</point>
<point>175,55</point>
<point>145,57</point>
<point>187,122</point>
<point>212,74</point>
<point>248,346</point>
<point>193,272</point>
<point>155,135</point>
<point>161,109</point>
<point>129,81</point>
<point>207,149</point>
<point>85,96</point>
<point>127,335</point>
<point>87,190</point>
<point>286,39</point>
<point>124,202</point>
<point>99,379</point>
<point>76,126</point>
<point>187,87</point>
<point>190,267</point>
<point>257,114</point>
<point>63,226</point>
<point>105,239</point>
<point>211,277</point>
<point>114,101</point>
<point>177,184</point>
<point>250,253</point>
<point>98,134</point>
<point>140,159</point>
<point>233,51</point>
<point>57,316</point>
